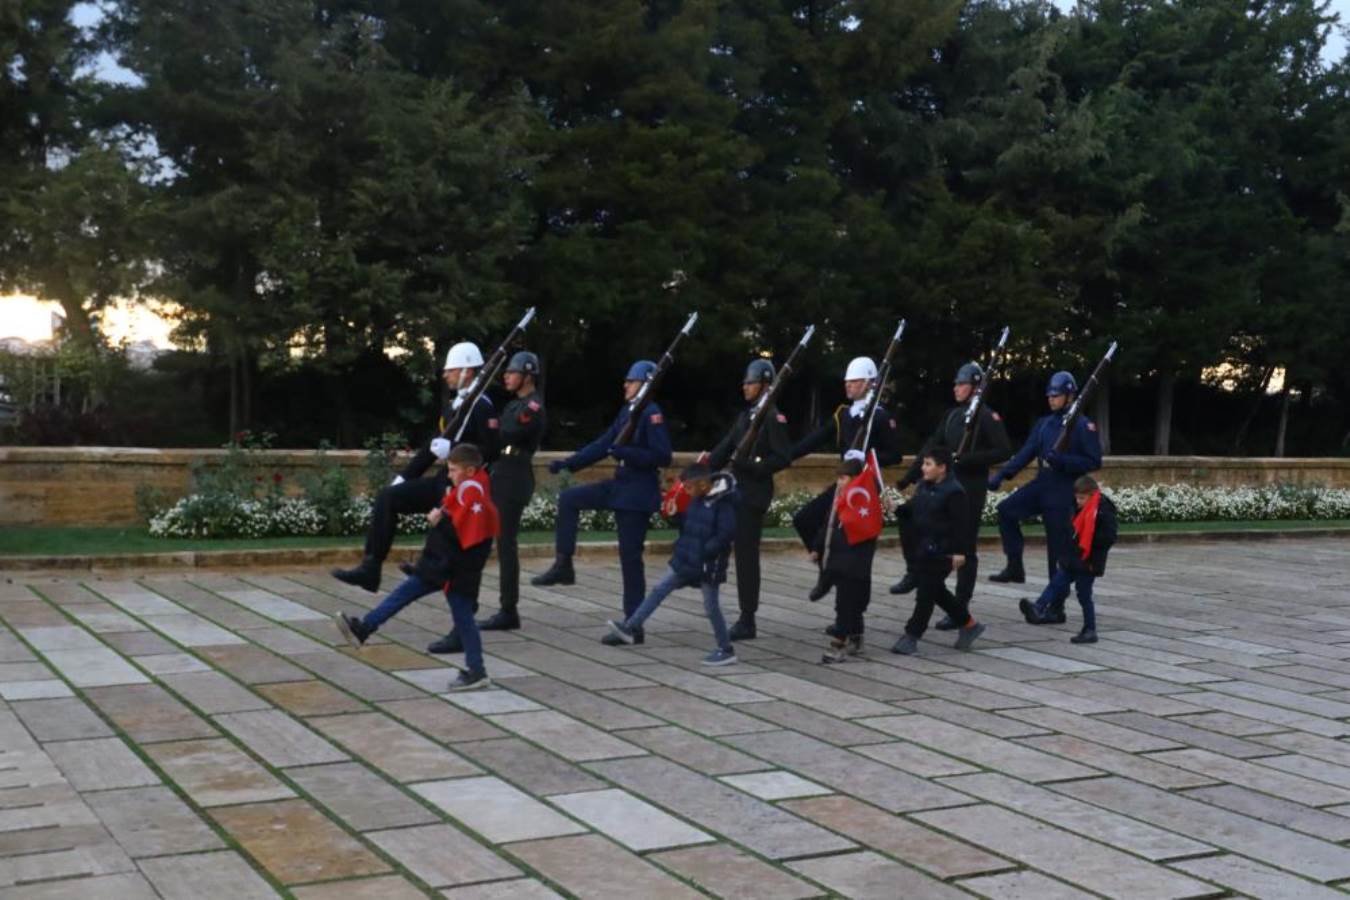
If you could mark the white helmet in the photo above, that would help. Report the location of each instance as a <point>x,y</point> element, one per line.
<point>861,367</point>
<point>464,355</point>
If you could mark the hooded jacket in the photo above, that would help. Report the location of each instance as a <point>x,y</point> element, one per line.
<point>707,529</point>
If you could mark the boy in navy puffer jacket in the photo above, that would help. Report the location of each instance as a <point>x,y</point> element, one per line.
<point>707,529</point>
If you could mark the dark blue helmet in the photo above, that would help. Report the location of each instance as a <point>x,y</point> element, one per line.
<point>760,371</point>
<point>970,373</point>
<point>524,362</point>
<point>642,370</point>
<point>1061,383</point>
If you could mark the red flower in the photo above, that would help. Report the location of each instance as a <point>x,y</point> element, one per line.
<point>276,477</point>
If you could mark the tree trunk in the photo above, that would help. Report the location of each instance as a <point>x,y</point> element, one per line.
<point>1241,439</point>
<point>1162,422</point>
<point>1103,416</point>
<point>1284,418</point>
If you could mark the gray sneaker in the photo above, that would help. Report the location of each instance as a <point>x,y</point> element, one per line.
<point>906,646</point>
<point>621,631</point>
<point>469,681</point>
<point>966,636</point>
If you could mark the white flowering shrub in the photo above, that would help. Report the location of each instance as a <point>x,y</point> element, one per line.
<point>218,515</point>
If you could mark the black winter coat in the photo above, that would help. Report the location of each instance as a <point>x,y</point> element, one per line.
<point>1103,537</point>
<point>707,528</point>
<point>939,515</point>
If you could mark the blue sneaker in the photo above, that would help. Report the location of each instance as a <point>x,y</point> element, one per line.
<point>721,657</point>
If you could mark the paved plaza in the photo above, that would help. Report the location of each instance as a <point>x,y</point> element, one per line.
<point>207,735</point>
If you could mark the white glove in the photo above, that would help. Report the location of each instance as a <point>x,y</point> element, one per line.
<point>440,448</point>
<point>856,410</point>
<point>855,454</point>
<point>398,479</point>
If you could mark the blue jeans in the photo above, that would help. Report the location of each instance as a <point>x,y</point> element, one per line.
<point>411,588</point>
<point>711,607</point>
<point>461,612</point>
<point>1057,591</point>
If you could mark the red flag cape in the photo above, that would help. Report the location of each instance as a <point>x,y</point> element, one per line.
<point>858,504</point>
<point>471,510</point>
<point>1085,523</point>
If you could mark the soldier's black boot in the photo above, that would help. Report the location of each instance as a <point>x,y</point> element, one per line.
<point>365,576</point>
<point>448,644</point>
<point>1011,574</point>
<point>560,572</point>
<point>502,620</point>
<point>744,629</point>
<point>904,585</point>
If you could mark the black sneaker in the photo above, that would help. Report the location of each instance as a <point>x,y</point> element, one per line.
<point>743,630</point>
<point>448,644</point>
<point>365,576</point>
<point>1086,636</point>
<point>502,620</point>
<point>1010,575</point>
<point>613,640</point>
<point>561,572</point>
<point>1029,611</point>
<point>353,629</point>
<point>468,681</point>
<point>904,585</point>
<point>946,624</point>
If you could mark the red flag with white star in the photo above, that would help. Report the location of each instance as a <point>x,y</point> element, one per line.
<point>858,504</point>
<point>471,510</point>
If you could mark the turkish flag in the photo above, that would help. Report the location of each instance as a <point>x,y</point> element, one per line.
<point>471,510</point>
<point>857,505</point>
<point>675,501</point>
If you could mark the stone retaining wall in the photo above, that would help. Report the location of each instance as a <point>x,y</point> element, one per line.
<point>97,485</point>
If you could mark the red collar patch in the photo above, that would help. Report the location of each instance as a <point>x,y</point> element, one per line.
<point>656,419</point>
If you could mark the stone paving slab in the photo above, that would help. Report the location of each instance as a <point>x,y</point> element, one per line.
<point>1199,748</point>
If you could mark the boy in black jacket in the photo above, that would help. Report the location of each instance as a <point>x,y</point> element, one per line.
<point>456,549</point>
<point>707,529</point>
<point>1094,527</point>
<point>849,570</point>
<point>937,521</point>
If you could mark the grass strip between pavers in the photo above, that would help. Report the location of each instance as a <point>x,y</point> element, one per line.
<point>91,541</point>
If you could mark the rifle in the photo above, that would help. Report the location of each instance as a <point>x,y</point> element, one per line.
<point>767,399</point>
<point>463,404</point>
<point>860,439</point>
<point>644,394</point>
<point>977,399</point>
<point>1080,402</point>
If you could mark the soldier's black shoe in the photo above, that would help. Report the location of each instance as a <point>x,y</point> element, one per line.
<point>561,572</point>
<point>502,620</point>
<point>743,630</point>
<point>365,576</point>
<point>448,644</point>
<point>1010,575</point>
<point>1086,636</point>
<point>820,588</point>
<point>946,624</point>
<point>904,585</point>
<point>613,640</point>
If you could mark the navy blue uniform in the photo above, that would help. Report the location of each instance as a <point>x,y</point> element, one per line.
<point>633,494</point>
<point>1050,493</point>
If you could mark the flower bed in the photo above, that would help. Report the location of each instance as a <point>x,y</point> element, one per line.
<point>219,515</point>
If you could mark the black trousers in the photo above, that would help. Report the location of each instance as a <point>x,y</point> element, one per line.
<point>851,596</point>
<point>512,488</point>
<point>932,591</point>
<point>749,531</point>
<point>420,495</point>
<point>976,491</point>
<point>809,521</point>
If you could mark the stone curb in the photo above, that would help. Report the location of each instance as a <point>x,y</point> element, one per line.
<point>291,557</point>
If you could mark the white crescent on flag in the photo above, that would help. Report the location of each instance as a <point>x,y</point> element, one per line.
<point>848,498</point>
<point>464,487</point>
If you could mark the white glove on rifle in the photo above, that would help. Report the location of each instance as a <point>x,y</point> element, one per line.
<point>440,448</point>
<point>857,409</point>
<point>398,479</point>
<point>855,454</point>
